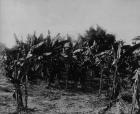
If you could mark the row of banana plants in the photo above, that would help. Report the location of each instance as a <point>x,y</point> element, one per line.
<point>96,55</point>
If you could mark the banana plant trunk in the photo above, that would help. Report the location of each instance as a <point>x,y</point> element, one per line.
<point>18,92</point>
<point>26,93</point>
<point>101,80</point>
<point>114,81</point>
<point>19,99</point>
<point>67,74</point>
<point>135,96</point>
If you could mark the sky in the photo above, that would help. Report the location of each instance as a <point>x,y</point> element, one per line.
<point>120,17</point>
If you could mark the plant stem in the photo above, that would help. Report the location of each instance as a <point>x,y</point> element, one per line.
<point>26,93</point>
<point>101,80</point>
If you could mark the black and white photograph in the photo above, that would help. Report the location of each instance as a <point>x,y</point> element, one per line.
<point>69,56</point>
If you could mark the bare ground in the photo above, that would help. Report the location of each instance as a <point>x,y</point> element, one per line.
<point>54,101</point>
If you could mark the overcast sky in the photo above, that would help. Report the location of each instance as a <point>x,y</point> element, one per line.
<point>121,17</point>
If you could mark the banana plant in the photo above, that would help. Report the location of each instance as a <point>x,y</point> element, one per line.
<point>13,68</point>
<point>16,68</point>
<point>135,97</point>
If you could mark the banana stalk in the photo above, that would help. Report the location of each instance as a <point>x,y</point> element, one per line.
<point>135,109</point>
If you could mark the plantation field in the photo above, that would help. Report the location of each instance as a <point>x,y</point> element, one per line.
<point>96,74</point>
<point>54,101</point>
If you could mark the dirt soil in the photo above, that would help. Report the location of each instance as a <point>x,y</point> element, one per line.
<point>53,101</point>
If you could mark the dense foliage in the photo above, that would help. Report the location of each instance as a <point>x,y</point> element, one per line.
<point>95,60</point>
